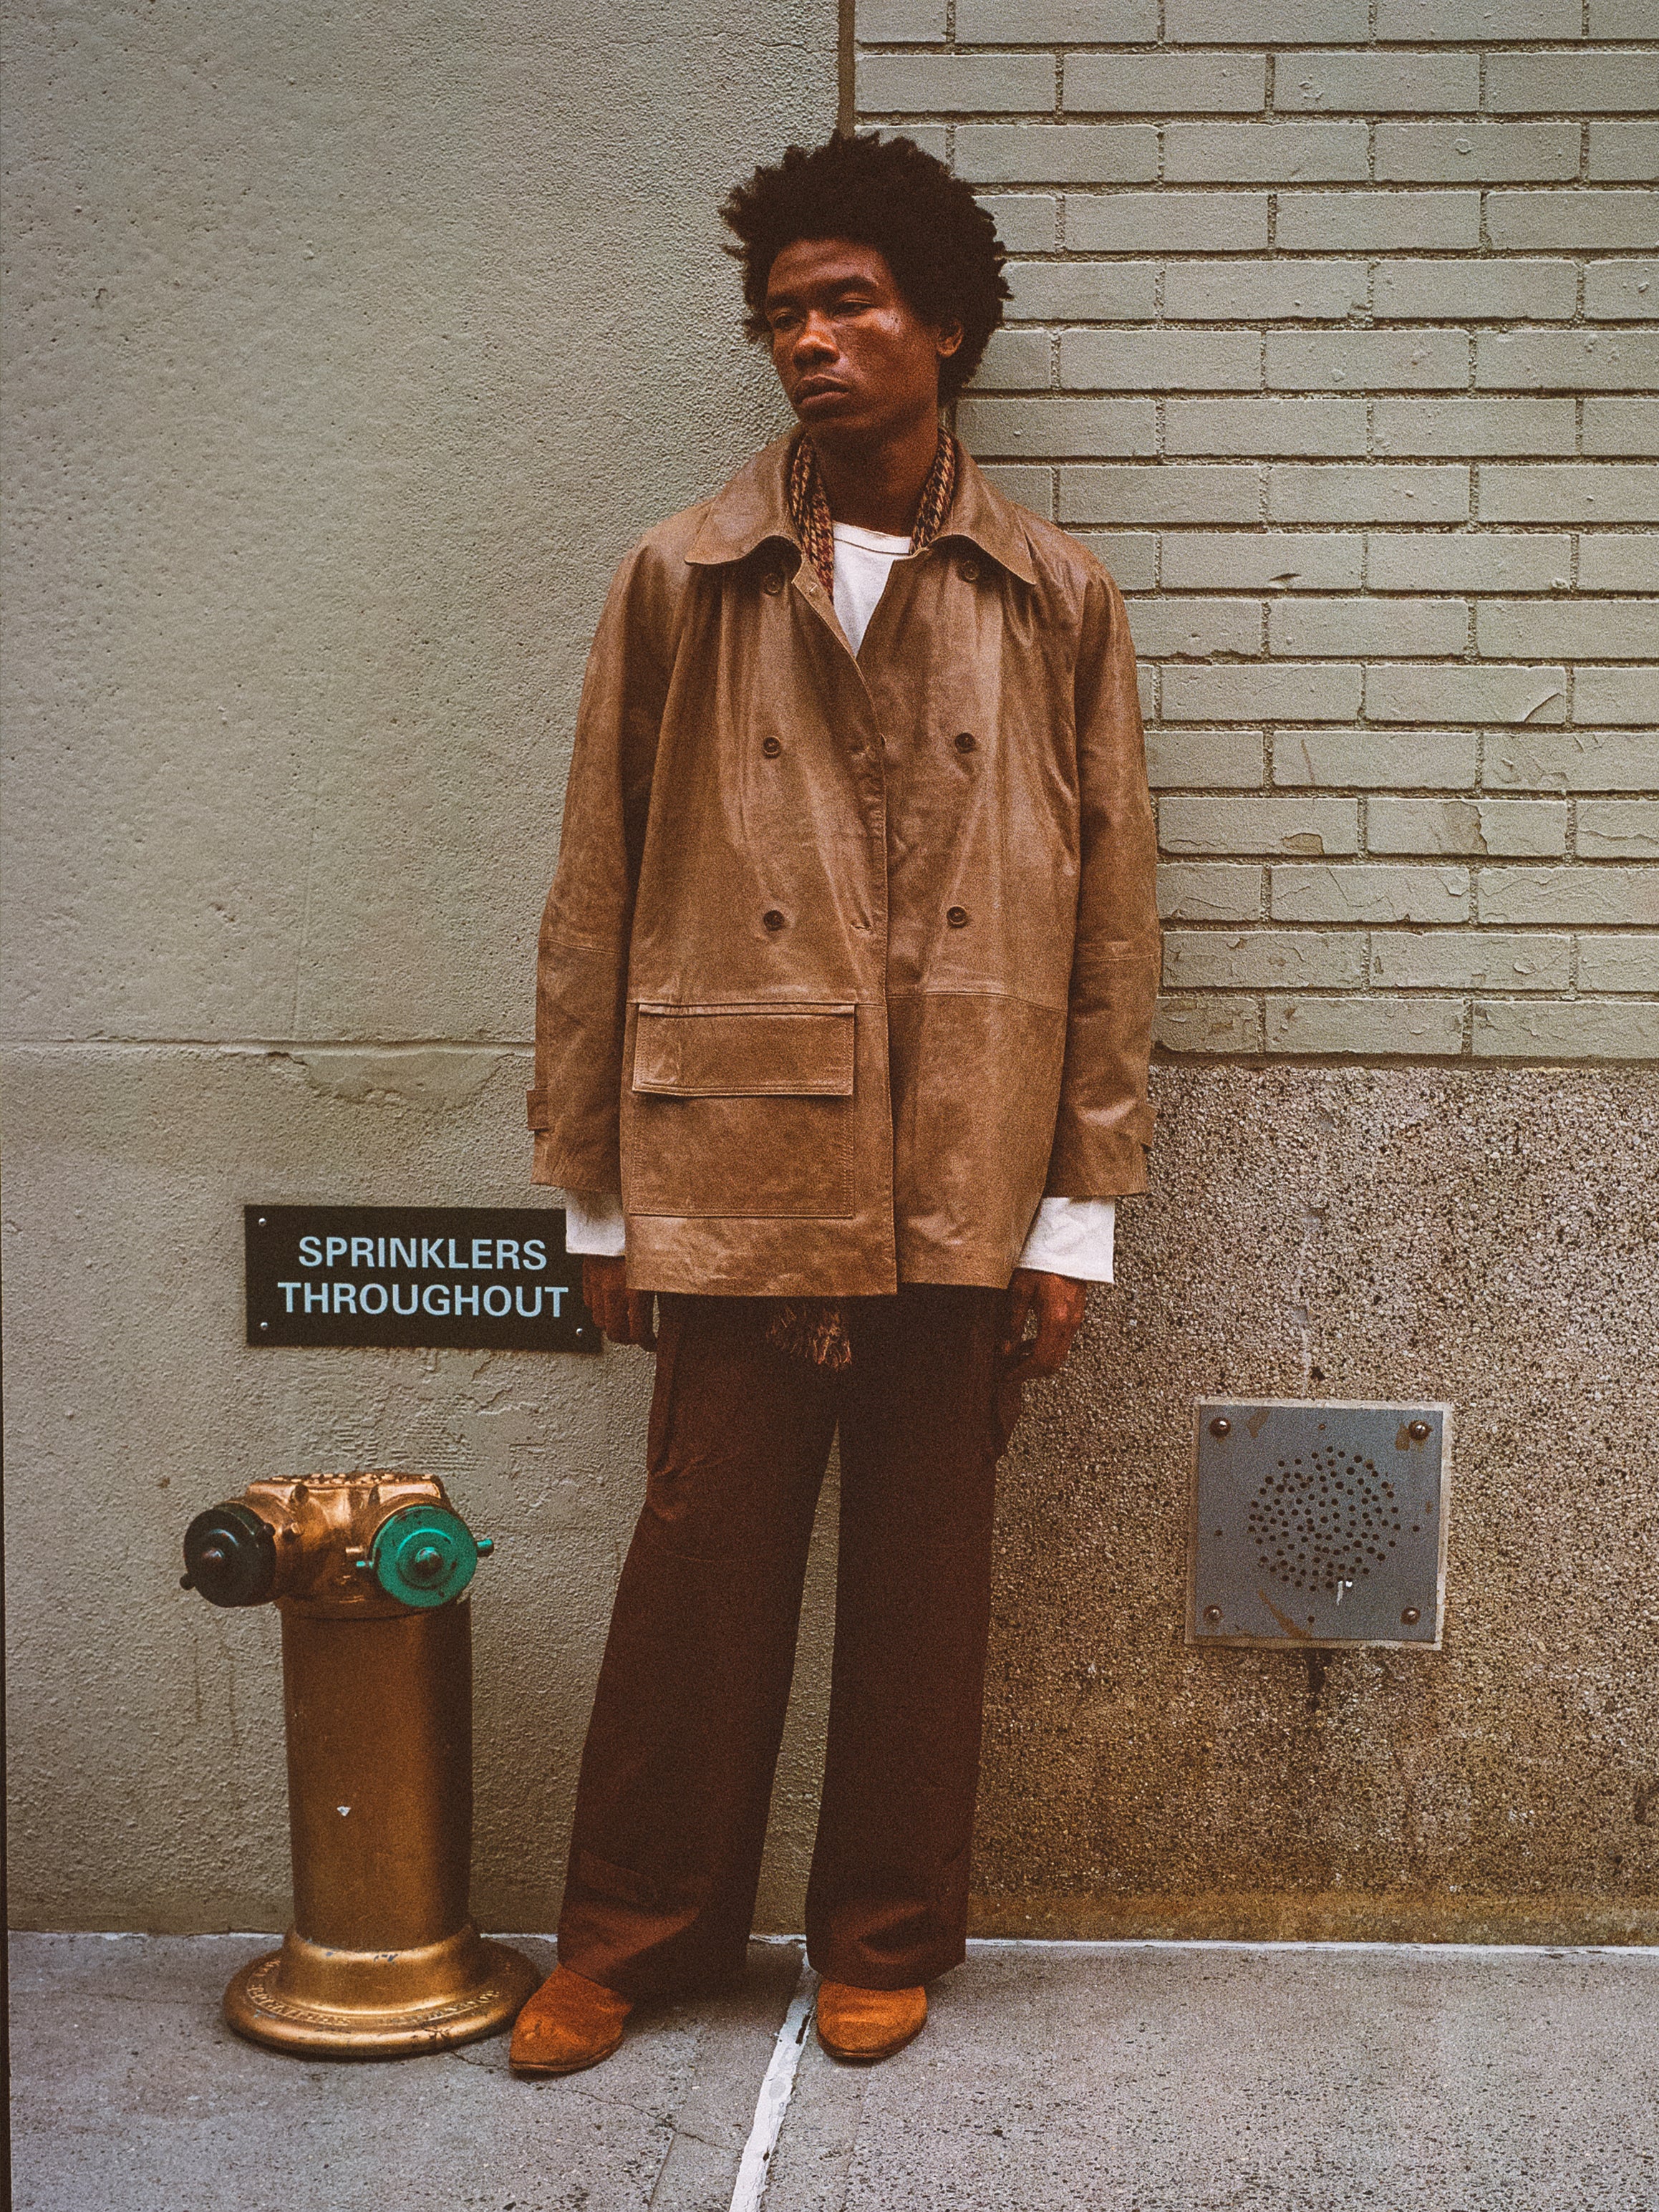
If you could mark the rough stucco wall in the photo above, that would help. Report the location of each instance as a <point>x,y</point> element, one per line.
<point>346,359</point>
<point>347,352</point>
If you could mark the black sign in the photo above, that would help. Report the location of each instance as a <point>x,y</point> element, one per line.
<point>484,1278</point>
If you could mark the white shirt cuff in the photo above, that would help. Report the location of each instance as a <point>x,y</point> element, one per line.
<point>1072,1236</point>
<point>594,1224</point>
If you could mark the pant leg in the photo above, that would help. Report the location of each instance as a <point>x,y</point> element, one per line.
<point>887,1905</point>
<point>676,1772</point>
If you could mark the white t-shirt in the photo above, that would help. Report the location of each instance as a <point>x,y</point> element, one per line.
<point>1068,1236</point>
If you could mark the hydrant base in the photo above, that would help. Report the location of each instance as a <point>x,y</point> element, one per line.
<point>324,2003</point>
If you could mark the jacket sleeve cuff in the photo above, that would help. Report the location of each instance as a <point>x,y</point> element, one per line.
<point>1072,1236</point>
<point>594,1226</point>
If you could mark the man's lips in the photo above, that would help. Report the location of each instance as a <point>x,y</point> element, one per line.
<point>819,387</point>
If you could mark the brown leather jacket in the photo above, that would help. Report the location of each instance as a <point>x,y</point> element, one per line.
<point>849,961</point>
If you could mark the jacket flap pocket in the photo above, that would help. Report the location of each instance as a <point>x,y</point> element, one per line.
<point>745,1052</point>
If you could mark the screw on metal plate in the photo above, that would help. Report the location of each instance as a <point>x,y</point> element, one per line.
<point>1213,1612</point>
<point>1419,1430</point>
<point>1411,1616</point>
<point>1221,1428</point>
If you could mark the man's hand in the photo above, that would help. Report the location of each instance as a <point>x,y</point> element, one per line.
<point>624,1316</point>
<point>1057,1302</point>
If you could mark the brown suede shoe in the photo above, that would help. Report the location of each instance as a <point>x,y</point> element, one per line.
<point>862,2026</point>
<point>569,2023</point>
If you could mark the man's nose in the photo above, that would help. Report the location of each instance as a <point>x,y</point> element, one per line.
<point>813,341</point>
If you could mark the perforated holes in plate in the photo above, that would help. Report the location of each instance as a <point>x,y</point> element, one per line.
<point>1323,1519</point>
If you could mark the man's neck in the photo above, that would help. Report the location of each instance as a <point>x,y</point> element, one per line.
<point>880,487</point>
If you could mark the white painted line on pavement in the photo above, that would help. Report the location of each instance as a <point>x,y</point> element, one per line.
<point>773,2097</point>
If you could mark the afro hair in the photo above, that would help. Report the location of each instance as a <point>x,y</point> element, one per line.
<point>940,244</point>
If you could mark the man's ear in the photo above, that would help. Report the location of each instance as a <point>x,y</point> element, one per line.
<point>947,340</point>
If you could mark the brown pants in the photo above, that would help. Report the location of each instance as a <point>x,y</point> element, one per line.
<point>676,1774</point>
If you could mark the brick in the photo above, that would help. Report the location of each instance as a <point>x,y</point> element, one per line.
<point>1570,1030</point>
<point>1261,960</point>
<point>1367,361</point>
<point>1021,430</point>
<point>1406,692</point>
<point>1265,153</point>
<point>1264,426</point>
<point>899,22</point>
<point>1200,890</point>
<point>1015,361</point>
<point>1468,960</point>
<point>1616,695</point>
<point>1305,827</point>
<point>1502,827</point>
<point>1374,1028</point>
<point>1246,292</point>
<point>1621,426</point>
<point>1264,22</point>
<point>1467,561</point>
<point>1621,291</point>
<point>1624,153</point>
<point>1572,893</point>
<point>955,84</point>
<point>1131,556</point>
<point>1373,492</point>
<point>1439,628</point>
<point>1375,760</point>
<point>1027,222</point>
<point>1172,491</point>
<point>1476,426</point>
<point>1551,84</point>
<point>1033,488</point>
<point>1055,152</point>
<point>1621,19</point>
<point>1567,361</point>
<point>1279,561</point>
<point>1627,563</point>
<point>1476,291</point>
<point>1169,627</point>
<point>1380,223</point>
<point>1286,691</point>
<point>1619,828</point>
<point>1165,84</point>
<point>1475,153</point>
<point>1166,222</point>
<point>1619,963</point>
<point>1420,21</point>
<point>1082,291</point>
<point>934,138</point>
<point>1205,760</point>
<point>1369,890</point>
<point>1571,760</point>
<point>1517,222</point>
<point>1161,360</point>
<point>1378,84</point>
<point>1208,1025</point>
<point>1576,629</point>
<point>1040,22</point>
<point>1599,491</point>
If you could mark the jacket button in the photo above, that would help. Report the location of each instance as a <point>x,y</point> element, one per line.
<point>772,582</point>
<point>771,747</point>
<point>774,919</point>
<point>966,741</point>
<point>970,572</point>
<point>957,917</point>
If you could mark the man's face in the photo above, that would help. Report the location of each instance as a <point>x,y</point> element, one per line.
<point>855,359</point>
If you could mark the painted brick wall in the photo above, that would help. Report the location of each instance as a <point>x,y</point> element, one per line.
<point>1334,331</point>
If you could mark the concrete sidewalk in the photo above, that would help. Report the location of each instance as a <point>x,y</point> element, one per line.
<point>1118,2077</point>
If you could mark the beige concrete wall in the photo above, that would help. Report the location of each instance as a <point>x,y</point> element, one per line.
<point>346,354</point>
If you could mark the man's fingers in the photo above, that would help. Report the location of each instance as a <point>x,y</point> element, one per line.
<point>640,1328</point>
<point>1060,1304</point>
<point>1021,1291</point>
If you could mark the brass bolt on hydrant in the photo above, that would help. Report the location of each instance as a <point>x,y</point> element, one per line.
<point>367,1572</point>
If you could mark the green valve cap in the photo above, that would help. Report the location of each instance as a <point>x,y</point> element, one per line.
<point>424,1556</point>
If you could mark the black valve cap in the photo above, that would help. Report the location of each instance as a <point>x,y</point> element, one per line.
<point>230,1556</point>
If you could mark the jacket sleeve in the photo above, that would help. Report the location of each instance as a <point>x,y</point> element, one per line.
<point>581,962</point>
<point>1105,1118</point>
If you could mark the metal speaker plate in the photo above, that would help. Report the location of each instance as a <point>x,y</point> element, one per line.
<point>1318,1523</point>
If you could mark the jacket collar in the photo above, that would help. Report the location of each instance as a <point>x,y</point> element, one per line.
<point>754,508</point>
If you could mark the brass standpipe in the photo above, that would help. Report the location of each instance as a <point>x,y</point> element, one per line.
<point>367,1572</point>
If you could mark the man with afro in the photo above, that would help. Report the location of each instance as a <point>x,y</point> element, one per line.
<point>844,1000</point>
